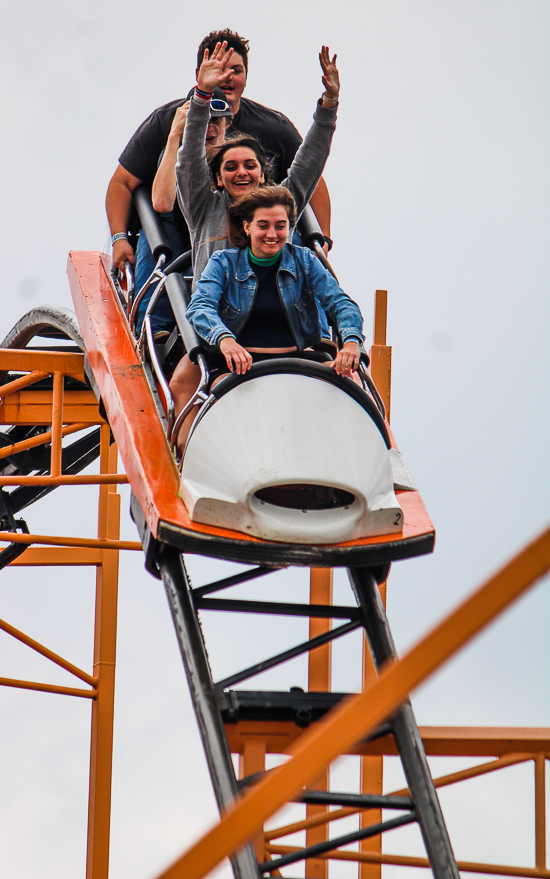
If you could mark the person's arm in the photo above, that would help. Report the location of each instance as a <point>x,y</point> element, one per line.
<point>164,185</point>
<point>203,309</point>
<point>343,311</point>
<point>320,203</point>
<point>307,167</point>
<point>118,203</point>
<point>192,171</point>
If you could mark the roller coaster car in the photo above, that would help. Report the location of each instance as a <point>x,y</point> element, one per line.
<point>291,452</point>
<point>288,464</point>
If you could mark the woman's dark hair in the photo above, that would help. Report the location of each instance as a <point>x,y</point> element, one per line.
<point>234,41</point>
<point>245,207</point>
<point>216,154</point>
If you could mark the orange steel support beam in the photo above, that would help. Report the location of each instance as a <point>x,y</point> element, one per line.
<point>69,412</point>
<point>439,741</point>
<point>251,762</point>
<point>85,542</point>
<point>23,382</point>
<point>57,423</point>
<point>359,715</point>
<point>101,752</point>
<point>540,811</point>
<point>47,688</point>
<point>405,861</point>
<point>319,680</point>
<point>49,654</point>
<point>473,772</point>
<point>53,556</point>
<point>35,407</point>
<point>372,775</point>
<point>40,440</point>
<point>48,362</point>
<point>380,353</point>
<point>372,768</point>
<point>87,479</point>
<point>337,814</point>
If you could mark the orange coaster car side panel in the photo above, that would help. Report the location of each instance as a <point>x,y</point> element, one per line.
<point>138,430</point>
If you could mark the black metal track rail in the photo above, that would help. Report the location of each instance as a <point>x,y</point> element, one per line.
<point>313,851</point>
<point>320,611</point>
<point>286,655</point>
<point>199,679</point>
<point>259,571</point>
<point>216,704</point>
<point>406,733</point>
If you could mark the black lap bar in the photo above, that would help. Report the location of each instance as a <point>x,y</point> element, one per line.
<point>309,228</point>
<point>297,366</point>
<point>151,223</point>
<point>180,264</point>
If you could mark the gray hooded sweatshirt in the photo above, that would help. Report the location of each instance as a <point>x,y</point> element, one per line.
<point>205,209</point>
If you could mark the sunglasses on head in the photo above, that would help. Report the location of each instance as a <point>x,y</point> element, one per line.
<point>219,105</point>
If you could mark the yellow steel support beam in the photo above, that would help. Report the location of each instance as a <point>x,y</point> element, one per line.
<point>359,715</point>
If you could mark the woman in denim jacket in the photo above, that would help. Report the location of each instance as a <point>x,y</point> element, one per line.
<point>258,301</point>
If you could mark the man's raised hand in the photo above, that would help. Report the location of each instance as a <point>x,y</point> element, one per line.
<point>215,69</point>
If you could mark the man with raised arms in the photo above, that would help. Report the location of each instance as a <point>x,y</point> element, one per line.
<point>139,160</point>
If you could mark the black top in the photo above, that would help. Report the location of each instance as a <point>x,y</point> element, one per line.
<point>267,326</point>
<point>274,131</point>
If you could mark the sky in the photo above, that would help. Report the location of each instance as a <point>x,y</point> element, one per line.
<point>439,182</point>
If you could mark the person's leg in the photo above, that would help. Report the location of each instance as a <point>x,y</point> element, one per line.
<point>163,318</point>
<point>183,385</point>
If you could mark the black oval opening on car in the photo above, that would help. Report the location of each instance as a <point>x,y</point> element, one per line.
<point>304,496</point>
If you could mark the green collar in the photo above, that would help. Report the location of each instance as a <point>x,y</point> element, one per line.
<point>273,260</point>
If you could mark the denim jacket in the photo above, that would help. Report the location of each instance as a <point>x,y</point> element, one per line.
<point>225,296</point>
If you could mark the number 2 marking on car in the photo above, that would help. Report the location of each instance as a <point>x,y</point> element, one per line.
<point>397,518</point>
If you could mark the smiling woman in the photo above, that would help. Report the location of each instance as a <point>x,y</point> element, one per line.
<point>256,300</point>
<point>240,164</point>
<point>240,171</point>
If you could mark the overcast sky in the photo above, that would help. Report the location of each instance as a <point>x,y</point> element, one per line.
<point>440,191</point>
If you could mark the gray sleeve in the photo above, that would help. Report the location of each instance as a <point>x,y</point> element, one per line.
<point>192,172</point>
<point>309,162</point>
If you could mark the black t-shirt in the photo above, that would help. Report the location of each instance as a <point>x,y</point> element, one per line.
<point>275,132</point>
<point>267,324</point>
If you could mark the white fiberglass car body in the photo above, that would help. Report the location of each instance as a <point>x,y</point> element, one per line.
<point>298,455</point>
